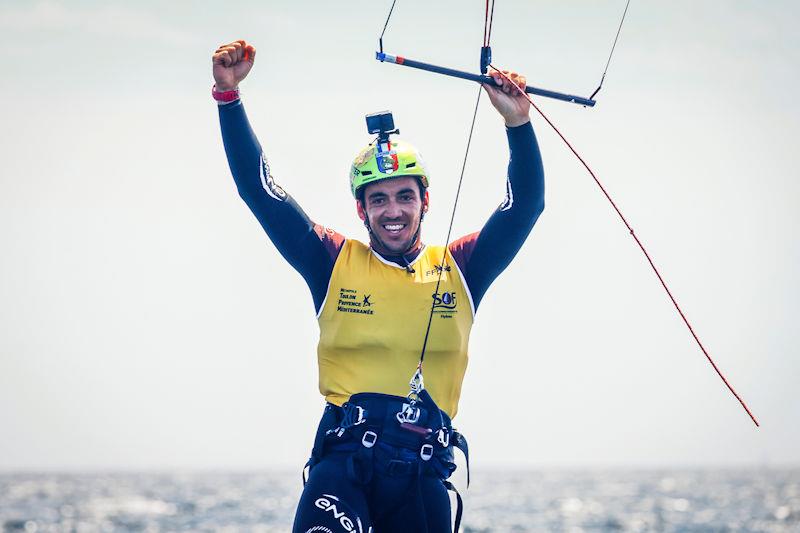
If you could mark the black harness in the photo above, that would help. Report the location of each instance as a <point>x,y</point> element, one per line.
<point>390,436</point>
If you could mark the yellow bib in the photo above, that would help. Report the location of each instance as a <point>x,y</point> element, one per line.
<point>372,326</point>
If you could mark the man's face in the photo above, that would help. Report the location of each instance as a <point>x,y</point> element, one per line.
<point>393,208</point>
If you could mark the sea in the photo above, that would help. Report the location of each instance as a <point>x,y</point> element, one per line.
<point>695,500</point>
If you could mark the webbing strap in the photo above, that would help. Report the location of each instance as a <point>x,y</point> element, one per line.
<point>359,465</point>
<point>460,442</point>
<point>459,505</point>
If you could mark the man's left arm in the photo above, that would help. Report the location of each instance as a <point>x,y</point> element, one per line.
<point>483,255</point>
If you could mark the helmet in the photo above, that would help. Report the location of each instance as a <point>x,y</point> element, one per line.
<point>384,160</point>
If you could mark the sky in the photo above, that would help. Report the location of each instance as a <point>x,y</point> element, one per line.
<point>146,322</point>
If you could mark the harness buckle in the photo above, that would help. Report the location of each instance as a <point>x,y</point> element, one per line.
<point>338,431</point>
<point>408,414</point>
<point>369,439</point>
<point>443,437</point>
<point>426,452</point>
<point>361,418</point>
<point>353,416</point>
<point>417,382</point>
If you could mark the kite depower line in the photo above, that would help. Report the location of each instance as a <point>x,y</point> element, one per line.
<point>417,384</point>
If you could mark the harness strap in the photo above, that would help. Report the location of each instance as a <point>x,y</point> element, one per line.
<point>359,465</point>
<point>459,502</point>
<point>460,442</point>
<point>327,421</point>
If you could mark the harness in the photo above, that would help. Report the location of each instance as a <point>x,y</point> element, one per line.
<point>390,436</point>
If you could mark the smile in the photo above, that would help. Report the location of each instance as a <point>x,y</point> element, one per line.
<point>394,228</point>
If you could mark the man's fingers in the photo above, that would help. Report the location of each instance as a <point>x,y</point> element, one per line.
<point>508,88</point>
<point>229,54</point>
<point>517,79</point>
<point>499,80</point>
<point>514,78</point>
<point>233,55</point>
<point>233,50</point>
<point>222,57</point>
<point>237,51</point>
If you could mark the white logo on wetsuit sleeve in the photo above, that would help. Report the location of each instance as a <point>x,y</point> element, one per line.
<point>272,188</point>
<point>508,201</point>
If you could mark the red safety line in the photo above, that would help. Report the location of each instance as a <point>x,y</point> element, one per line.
<point>487,24</point>
<point>649,260</point>
<point>491,19</point>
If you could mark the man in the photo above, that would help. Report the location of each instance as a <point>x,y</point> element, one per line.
<point>382,456</point>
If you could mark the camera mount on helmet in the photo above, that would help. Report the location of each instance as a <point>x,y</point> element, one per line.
<point>381,123</point>
<point>384,157</point>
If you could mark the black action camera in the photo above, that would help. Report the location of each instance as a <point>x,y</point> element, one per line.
<point>381,123</point>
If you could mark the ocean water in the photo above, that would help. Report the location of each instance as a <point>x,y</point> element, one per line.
<point>529,501</point>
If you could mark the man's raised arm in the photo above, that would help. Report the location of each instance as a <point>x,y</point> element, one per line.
<point>308,247</point>
<point>483,255</point>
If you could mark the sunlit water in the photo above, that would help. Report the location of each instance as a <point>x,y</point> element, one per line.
<point>570,501</point>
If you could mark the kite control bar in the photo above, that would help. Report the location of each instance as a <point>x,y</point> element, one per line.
<point>399,60</point>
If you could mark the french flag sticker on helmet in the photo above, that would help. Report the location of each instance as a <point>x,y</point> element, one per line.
<point>386,158</point>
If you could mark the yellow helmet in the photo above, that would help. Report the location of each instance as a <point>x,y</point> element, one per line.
<point>385,160</point>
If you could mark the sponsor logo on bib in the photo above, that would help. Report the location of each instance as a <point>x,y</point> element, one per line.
<point>354,301</point>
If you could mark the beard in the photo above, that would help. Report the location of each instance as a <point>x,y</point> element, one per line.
<point>394,247</point>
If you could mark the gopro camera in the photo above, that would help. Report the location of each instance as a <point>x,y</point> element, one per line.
<point>381,123</point>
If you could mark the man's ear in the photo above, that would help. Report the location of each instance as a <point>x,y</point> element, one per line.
<point>362,214</point>
<point>425,201</point>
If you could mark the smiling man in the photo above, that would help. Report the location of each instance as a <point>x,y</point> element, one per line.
<point>393,212</point>
<point>380,460</point>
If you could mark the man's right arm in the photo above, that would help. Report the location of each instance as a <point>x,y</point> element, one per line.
<point>310,248</point>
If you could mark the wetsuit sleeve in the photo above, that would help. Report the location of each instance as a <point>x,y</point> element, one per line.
<point>483,255</point>
<point>310,248</point>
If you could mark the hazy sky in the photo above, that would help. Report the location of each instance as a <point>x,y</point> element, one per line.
<point>147,322</point>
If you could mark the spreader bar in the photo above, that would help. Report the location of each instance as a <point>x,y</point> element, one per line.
<point>399,60</point>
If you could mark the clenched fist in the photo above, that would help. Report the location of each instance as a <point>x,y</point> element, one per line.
<point>509,100</point>
<point>231,64</point>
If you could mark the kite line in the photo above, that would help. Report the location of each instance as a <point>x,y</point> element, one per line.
<point>486,54</point>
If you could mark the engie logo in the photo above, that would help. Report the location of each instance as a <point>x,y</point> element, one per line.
<point>446,300</point>
<point>272,188</point>
<point>327,505</point>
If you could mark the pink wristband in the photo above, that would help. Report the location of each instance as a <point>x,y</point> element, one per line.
<point>224,96</point>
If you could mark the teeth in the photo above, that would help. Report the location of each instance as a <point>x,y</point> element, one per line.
<point>394,227</point>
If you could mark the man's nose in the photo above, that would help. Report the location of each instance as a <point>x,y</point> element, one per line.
<point>393,209</point>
